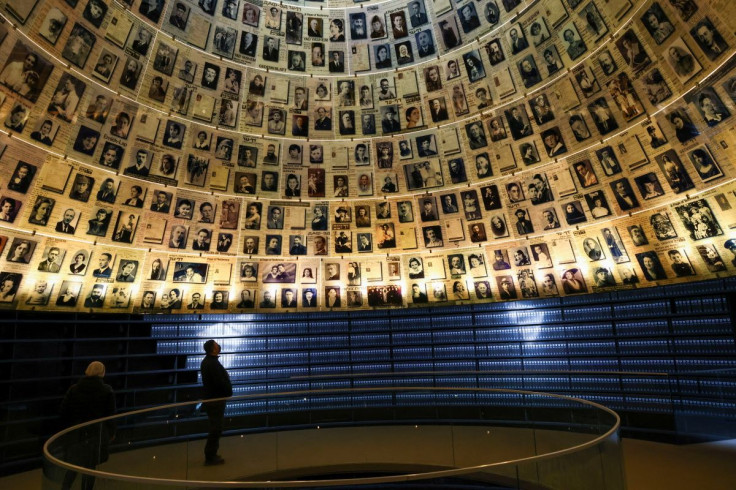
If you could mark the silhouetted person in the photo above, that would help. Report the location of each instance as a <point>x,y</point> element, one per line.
<point>216,384</point>
<point>88,399</point>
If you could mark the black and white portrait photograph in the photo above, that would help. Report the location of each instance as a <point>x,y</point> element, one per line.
<point>82,187</point>
<point>179,15</point>
<point>656,88</point>
<point>495,52</point>
<point>165,58</point>
<point>248,43</point>
<point>131,73</point>
<point>649,186</point>
<point>586,80</point>
<point>651,266</point>
<point>662,226</point>
<point>69,294</point>
<point>709,40</point>
<point>358,27</point>
<point>632,50</point>
<point>674,172</point>
<point>45,131</point>
<point>52,25</point>
<point>25,71</point>
<point>704,163</point>
<point>594,24</point>
<point>78,45</point>
<point>105,65</point>
<point>251,14</point>
<point>22,176</point>
<point>516,39</point>
<point>552,61</point>
<point>657,23</point>
<point>572,41</point>
<point>542,109</point>
<point>9,209</point>
<point>293,28</point>
<point>709,105</point>
<point>18,116</point>
<point>474,66</point>
<point>698,218</point>
<point>450,32</point>
<point>602,116</point>
<point>140,43</point>
<point>606,62</point>
<point>518,121</point>
<point>399,28</point>
<point>423,175</point>
<point>529,72</point>
<point>538,32</point>
<point>190,272</point>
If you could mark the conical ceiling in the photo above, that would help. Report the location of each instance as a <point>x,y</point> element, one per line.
<point>236,156</point>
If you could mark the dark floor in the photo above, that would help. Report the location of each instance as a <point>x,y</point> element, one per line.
<point>649,466</point>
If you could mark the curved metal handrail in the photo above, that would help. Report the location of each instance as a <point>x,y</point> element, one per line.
<point>341,481</point>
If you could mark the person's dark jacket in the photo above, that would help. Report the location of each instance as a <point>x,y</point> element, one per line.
<point>215,379</point>
<point>89,399</point>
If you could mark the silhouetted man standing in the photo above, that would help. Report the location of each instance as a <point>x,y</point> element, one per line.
<point>216,384</point>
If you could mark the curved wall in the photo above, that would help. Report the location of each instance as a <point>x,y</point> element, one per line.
<point>155,160</point>
<point>664,358</point>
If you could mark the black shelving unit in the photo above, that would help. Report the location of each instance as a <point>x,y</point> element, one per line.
<point>660,357</point>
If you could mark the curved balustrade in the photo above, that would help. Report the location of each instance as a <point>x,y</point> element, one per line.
<point>502,438</point>
<point>553,148</point>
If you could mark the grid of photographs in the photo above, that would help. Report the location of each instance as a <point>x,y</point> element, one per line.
<point>381,160</point>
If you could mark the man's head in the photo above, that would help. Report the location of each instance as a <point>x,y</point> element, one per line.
<point>177,233</point>
<point>423,39</point>
<point>209,74</point>
<point>96,292</point>
<point>53,254</point>
<point>211,347</point>
<point>104,260</point>
<point>69,216</point>
<point>551,140</point>
<point>705,34</point>
<point>268,180</point>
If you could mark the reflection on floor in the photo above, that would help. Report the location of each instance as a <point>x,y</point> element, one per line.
<point>656,466</point>
<point>649,466</point>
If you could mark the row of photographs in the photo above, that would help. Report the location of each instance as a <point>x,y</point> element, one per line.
<point>143,162</point>
<point>698,221</point>
<point>231,78</point>
<point>280,239</point>
<point>74,201</point>
<point>277,117</point>
<point>711,109</point>
<point>587,262</point>
<point>278,25</point>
